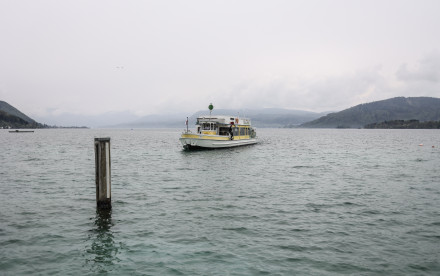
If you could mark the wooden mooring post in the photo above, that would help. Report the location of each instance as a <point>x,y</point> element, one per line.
<point>102,169</point>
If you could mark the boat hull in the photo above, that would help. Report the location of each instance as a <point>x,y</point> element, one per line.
<point>200,143</point>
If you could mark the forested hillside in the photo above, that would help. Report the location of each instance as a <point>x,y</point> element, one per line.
<point>417,108</point>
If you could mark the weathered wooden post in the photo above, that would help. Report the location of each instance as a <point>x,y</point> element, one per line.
<point>102,169</point>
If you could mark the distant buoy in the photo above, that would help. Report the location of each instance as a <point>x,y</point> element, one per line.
<point>421,145</point>
<point>433,146</point>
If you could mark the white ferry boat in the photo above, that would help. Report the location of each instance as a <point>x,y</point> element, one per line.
<point>219,132</point>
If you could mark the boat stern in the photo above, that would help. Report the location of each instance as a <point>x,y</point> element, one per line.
<point>188,139</point>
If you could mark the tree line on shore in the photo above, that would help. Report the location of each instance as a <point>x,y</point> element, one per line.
<point>402,124</point>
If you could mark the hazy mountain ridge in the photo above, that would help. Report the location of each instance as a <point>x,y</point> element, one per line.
<point>99,120</point>
<point>399,108</point>
<point>154,121</point>
<point>267,117</point>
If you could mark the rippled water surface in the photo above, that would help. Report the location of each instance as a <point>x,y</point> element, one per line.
<point>301,202</point>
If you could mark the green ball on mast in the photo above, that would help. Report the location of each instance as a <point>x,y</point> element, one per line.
<point>211,107</point>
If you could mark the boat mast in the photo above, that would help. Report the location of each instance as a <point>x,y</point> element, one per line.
<point>211,107</point>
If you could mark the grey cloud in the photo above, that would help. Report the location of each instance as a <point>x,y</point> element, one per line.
<point>182,56</point>
<point>314,94</point>
<point>428,69</point>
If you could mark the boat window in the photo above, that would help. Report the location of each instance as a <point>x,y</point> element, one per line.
<point>242,131</point>
<point>223,131</point>
<point>209,126</point>
<point>235,131</point>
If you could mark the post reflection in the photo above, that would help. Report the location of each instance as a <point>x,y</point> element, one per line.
<point>102,252</point>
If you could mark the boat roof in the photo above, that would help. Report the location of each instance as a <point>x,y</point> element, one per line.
<point>224,119</point>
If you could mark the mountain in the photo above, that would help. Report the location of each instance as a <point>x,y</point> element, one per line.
<point>11,117</point>
<point>9,109</point>
<point>267,117</point>
<point>100,120</point>
<point>10,121</point>
<point>401,124</point>
<point>400,108</point>
<point>154,121</point>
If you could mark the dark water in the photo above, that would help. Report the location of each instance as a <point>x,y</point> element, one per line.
<point>301,202</point>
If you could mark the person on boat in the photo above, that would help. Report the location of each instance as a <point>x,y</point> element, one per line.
<point>231,134</point>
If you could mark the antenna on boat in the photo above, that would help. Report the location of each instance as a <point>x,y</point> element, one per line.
<point>211,107</point>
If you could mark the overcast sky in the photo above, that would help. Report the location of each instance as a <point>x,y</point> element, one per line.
<point>94,56</point>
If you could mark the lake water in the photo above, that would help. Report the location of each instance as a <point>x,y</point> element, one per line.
<point>301,202</point>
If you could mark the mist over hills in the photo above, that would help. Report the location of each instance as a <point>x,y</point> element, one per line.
<point>267,117</point>
<point>153,121</point>
<point>413,108</point>
<point>97,121</point>
<point>399,108</point>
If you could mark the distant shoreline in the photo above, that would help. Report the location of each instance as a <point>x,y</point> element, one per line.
<point>402,124</point>
<point>47,127</point>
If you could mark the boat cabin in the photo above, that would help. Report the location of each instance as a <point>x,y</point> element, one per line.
<point>240,128</point>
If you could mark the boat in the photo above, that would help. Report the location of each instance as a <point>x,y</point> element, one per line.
<point>219,131</point>
<point>20,131</point>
